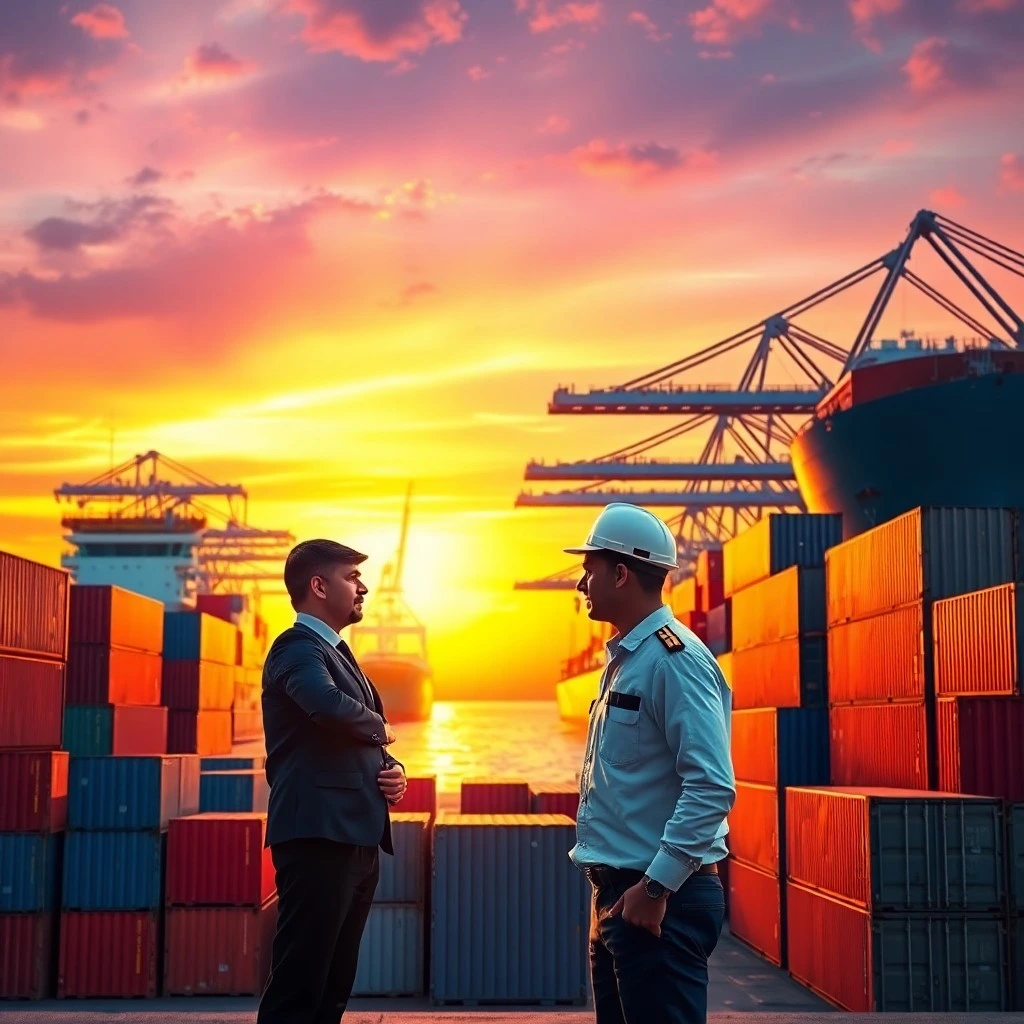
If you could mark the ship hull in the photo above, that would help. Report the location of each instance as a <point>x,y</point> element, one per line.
<point>575,695</point>
<point>404,684</point>
<point>947,444</point>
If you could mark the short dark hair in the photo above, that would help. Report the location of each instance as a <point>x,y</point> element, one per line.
<point>311,558</point>
<point>651,578</point>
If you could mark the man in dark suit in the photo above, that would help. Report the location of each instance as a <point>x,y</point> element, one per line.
<point>331,781</point>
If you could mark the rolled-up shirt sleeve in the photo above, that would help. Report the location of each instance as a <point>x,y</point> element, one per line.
<point>688,705</point>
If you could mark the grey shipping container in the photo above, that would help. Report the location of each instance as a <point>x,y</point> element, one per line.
<point>1015,855</point>
<point>787,674</point>
<point>525,940</point>
<point>403,877</point>
<point>1017,959</point>
<point>788,604</point>
<point>925,554</point>
<point>777,541</point>
<point>391,961</point>
<point>898,850</point>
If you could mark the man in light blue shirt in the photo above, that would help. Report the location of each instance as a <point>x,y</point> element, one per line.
<point>656,787</point>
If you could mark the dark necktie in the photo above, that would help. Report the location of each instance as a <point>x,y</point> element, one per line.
<point>345,651</point>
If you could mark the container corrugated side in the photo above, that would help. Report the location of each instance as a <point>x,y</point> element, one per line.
<point>554,799</point>
<point>197,685</point>
<point>927,553</point>
<point>219,859</point>
<point>195,636</point>
<point>719,627</point>
<point>114,617</point>
<point>28,872</point>
<point>1017,959</point>
<point>898,850</point>
<point>885,657</point>
<point>246,724</point>
<point>420,795</point>
<point>33,608</point>
<point>31,703</point>
<point>776,542</point>
<point>403,877</point>
<point>26,956</point>
<point>218,951</point>
<point>1015,855</point>
<point>781,746</point>
<point>108,954</point>
<point>710,577</point>
<point>980,743</point>
<point>113,871</point>
<point>755,826</point>
<point>104,675</point>
<point>788,674</point>
<point>789,604</point>
<point>391,960</point>
<point>198,732</point>
<point>495,796</point>
<point>234,791</point>
<point>880,745</point>
<point>34,785</point>
<point>123,793</point>
<point>941,964</point>
<point>188,791</point>
<point>756,910</point>
<point>525,940</point>
<point>119,729</point>
<point>977,643</point>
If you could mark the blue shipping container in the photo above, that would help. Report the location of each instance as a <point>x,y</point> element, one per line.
<point>781,746</point>
<point>229,763</point>
<point>403,876</point>
<point>123,793</point>
<point>391,952</point>
<point>28,872</point>
<point>195,636</point>
<point>233,791</point>
<point>114,870</point>
<point>88,730</point>
<point>523,940</point>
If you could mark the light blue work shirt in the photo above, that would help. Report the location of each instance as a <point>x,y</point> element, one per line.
<point>657,783</point>
<point>318,626</point>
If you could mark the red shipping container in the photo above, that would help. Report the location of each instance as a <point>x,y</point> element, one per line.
<point>754,826</point>
<point>33,608</point>
<point>977,644</point>
<point>229,607</point>
<point>710,579</point>
<point>219,859</point>
<point>219,951</point>
<point>495,796</point>
<point>198,732</point>
<point>198,685</point>
<point>133,730</point>
<point>696,622</point>
<point>557,800</point>
<point>755,910</point>
<point>34,785</point>
<point>881,658</point>
<point>26,956</point>
<point>108,954</point>
<point>880,745</point>
<point>420,796</point>
<point>111,616</point>
<point>980,744</point>
<point>105,675</point>
<point>31,703</point>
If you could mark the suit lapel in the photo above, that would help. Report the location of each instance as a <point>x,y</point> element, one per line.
<point>347,660</point>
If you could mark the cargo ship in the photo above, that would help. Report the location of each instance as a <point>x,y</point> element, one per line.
<point>915,423</point>
<point>391,643</point>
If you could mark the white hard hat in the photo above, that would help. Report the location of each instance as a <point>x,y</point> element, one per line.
<point>631,530</point>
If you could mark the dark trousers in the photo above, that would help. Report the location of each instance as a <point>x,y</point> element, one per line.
<point>641,979</point>
<point>324,894</point>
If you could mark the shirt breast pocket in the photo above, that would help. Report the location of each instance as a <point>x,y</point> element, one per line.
<point>620,739</point>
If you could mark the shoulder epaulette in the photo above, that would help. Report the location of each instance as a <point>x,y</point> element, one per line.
<point>671,642</point>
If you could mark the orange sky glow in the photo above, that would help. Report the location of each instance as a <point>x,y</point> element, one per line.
<point>324,247</point>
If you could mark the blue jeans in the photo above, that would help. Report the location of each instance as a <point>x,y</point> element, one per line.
<point>641,979</point>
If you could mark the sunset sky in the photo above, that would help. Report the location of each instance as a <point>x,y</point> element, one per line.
<point>322,247</point>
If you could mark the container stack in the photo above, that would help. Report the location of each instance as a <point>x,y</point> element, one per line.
<point>551,798</point>
<point>199,682</point>
<point>119,809</point>
<point>33,771</point>
<point>685,601</point>
<point>233,783</point>
<point>392,955</point>
<point>221,905</point>
<point>114,671</point>
<point>882,586</point>
<point>903,907</point>
<point>495,796</point>
<point>477,955</point>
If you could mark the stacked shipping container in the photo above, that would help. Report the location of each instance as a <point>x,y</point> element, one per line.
<point>33,771</point>
<point>114,668</point>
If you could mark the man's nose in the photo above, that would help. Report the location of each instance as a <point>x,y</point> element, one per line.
<point>582,585</point>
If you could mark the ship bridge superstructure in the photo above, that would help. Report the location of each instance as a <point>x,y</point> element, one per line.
<point>743,468</point>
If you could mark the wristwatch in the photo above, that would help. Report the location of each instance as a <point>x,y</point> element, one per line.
<point>655,890</point>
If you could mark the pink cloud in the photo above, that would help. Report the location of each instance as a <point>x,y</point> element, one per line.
<point>926,67</point>
<point>545,15</point>
<point>897,147</point>
<point>865,11</point>
<point>373,30</point>
<point>640,163</point>
<point>652,31</point>
<point>723,22</point>
<point>554,125</point>
<point>103,21</point>
<point>1011,172</point>
<point>949,197</point>
<point>211,60</point>
<point>477,73</point>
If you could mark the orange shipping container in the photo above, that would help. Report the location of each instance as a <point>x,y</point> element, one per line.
<point>754,827</point>
<point>756,910</point>
<point>113,617</point>
<point>198,732</point>
<point>105,675</point>
<point>880,745</point>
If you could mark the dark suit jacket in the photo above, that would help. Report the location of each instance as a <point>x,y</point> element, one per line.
<point>325,745</point>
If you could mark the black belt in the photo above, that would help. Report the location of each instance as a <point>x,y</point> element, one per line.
<point>601,875</point>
